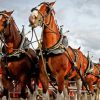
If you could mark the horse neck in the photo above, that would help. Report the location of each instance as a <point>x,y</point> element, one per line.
<point>51,33</point>
<point>13,36</point>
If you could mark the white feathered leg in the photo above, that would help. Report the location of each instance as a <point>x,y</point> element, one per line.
<point>45,96</point>
<point>60,96</point>
<point>79,85</point>
<point>66,96</point>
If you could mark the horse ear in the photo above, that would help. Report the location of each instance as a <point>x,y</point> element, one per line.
<point>79,48</point>
<point>52,3</point>
<point>9,13</point>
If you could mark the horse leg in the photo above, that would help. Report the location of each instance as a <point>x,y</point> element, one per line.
<point>33,89</point>
<point>60,81</point>
<point>23,91</point>
<point>98,94</point>
<point>45,84</point>
<point>91,96</point>
<point>79,85</point>
<point>98,90</point>
<point>84,94</point>
<point>72,93</point>
<point>6,93</point>
<point>65,91</point>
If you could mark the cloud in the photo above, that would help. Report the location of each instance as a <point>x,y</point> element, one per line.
<point>82,18</point>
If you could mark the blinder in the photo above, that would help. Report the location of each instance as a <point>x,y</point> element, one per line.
<point>35,8</point>
<point>6,22</point>
<point>41,17</point>
<point>48,10</point>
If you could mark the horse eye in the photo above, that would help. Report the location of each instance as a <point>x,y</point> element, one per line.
<point>0,17</point>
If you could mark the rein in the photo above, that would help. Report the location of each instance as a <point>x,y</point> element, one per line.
<point>41,53</point>
<point>3,39</point>
<point>43,17</point>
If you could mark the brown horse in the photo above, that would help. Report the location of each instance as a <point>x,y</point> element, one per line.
<point>92,77</point>
<point>18,62</point>
<point>62,61</point>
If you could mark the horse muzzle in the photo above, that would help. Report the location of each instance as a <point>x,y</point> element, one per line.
<point>32,21</point>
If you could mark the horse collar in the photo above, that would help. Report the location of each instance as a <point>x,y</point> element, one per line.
<point>59,47</point>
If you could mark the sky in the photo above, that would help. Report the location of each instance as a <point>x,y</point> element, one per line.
<point>80,17</point>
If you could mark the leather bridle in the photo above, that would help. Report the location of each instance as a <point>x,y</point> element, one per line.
<point>41,21</point>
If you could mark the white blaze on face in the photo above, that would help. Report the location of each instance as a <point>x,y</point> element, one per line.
<point>35,12</point>
<point>0,17</point>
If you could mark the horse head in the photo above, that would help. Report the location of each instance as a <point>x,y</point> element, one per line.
<point>43,15</point>
<point>40,14</point>
<point>9,33</point>
<point>5,18</point>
